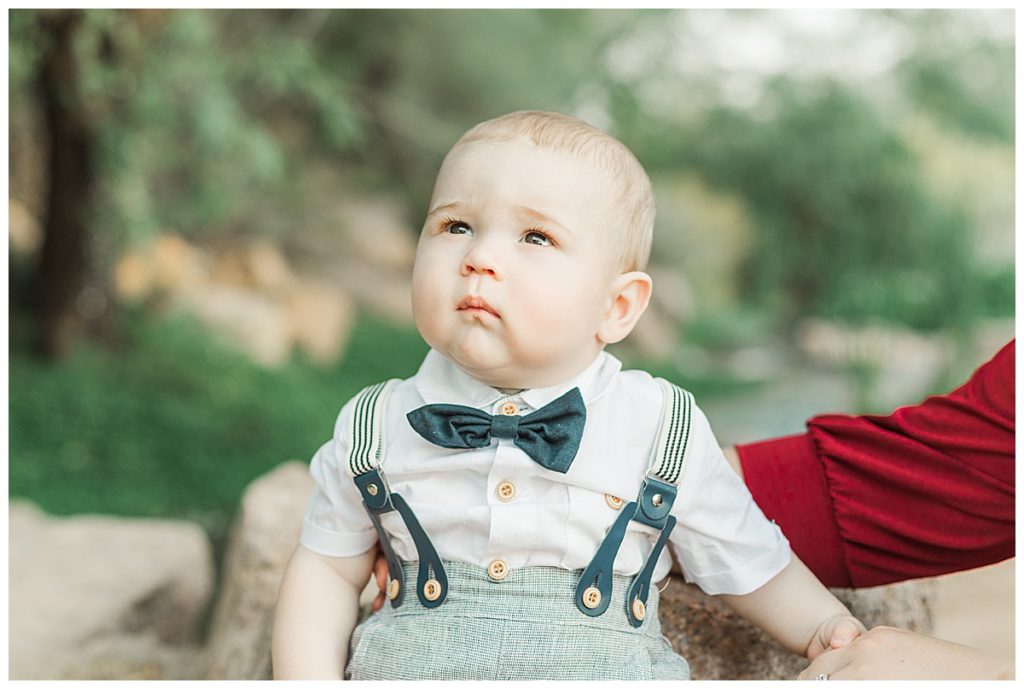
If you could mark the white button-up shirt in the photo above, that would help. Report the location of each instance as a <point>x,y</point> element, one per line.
<point>462,497</point>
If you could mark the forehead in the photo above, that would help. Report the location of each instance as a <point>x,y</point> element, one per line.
<point>519,172</point>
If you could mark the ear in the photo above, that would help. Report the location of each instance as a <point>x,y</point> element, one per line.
<point>628,297</point>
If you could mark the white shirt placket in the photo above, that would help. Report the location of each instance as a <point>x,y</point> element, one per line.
<point>513,527</point>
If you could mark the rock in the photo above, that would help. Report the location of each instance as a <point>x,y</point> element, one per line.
<point>268,268</point>
<point>376,232</point>
<point>386,293</point>
<point>24,234</point>
<point>88,590</point>
<point>321,318</point>
<point>133,277</point>
<point>253,323</point>
<point>263,537</point>
<point>249,295</point>
<point>177,265</point>
<point>169,264</point>
<point>905,364</point>
<point>719,644</point>
<point>257,265</point>
<point>141,656</point>
<point>265,533</point>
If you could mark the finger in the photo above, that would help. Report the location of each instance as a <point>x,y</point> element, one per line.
<point>817,647</point>
<point>829,663</point>
<point>845,631</point>
<point>380,572</point>
<point>378,602</point>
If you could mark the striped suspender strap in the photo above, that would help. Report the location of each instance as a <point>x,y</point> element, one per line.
<point>676,417</point>
<point>662,480</point>
<point>365,435</point>
<point>651,507</point>
<point>365,432</point>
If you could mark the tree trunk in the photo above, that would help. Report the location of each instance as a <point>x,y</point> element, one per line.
<point>63,262</point>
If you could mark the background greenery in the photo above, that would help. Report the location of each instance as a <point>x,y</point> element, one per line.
<point>867,182</point>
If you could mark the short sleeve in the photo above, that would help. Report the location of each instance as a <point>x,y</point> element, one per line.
<point>335,522</point>
<point>722,541</point>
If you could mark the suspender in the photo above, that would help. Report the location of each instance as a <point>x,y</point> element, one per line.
<point>651,507</point>
<point>365,435</point>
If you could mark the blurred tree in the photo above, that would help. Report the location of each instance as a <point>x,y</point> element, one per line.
<point>961,68</point>
<point>156,118</point>
<point>71,130</point>
<point>216,122</point>
<point>222,123</point>
<point>847,228</point>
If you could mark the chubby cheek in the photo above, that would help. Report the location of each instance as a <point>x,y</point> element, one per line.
<point>559,316</point>
<point>427,305</point>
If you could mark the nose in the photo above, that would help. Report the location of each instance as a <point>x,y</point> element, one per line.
<point>481,258</point>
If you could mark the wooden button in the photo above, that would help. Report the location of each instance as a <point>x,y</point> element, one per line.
<point>393,588</point>
<point>509,409</point>
<point>591,597</point>
<point>506,490</point>
<point>432,590</point>
<point>498,570</point>
<point>639,609</point>
<point>613,502</point>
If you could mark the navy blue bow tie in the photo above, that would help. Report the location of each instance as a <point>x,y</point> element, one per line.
<point>550,436</point>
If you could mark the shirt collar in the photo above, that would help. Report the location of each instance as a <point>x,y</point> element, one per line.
<point>439,381</point>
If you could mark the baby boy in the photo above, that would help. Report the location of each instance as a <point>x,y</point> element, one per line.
<point>522,485</point>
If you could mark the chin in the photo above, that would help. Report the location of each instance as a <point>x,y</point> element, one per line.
<point>477,363</point>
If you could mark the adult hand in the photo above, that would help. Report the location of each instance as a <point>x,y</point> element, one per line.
<point>380,573</point>
<point>888,653</point>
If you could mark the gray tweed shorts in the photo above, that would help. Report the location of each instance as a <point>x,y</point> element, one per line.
<point>525,626</point>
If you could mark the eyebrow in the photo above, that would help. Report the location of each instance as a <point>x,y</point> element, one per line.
<point>537,215</point>
<point>445,207</point>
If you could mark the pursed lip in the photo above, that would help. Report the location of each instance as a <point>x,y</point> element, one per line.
<point>475,303</point>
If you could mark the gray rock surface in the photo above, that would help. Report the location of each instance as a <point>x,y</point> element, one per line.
<point>88,593</point>
<point>721,645</point>
<point>263,537</point>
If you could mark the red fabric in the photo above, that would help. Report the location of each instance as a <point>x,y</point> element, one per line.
<point>927,490</point>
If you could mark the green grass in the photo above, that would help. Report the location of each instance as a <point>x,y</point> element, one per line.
<point>172,424</point>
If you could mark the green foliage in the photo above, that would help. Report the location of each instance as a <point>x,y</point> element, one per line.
<point>997,291</point>
<point>961,71</point>
<point>172,424</point>
<point>847,228</point>
<point>195,143</point>
<point>24,49</point>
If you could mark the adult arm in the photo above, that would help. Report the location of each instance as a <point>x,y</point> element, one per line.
<point>926,490</point>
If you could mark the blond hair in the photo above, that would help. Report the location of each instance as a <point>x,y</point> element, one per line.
<point>632,224</point>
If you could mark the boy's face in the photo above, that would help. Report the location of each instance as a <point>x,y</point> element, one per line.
<point>512,269</point>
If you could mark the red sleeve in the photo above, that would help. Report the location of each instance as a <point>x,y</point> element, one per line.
<point>927,490</point>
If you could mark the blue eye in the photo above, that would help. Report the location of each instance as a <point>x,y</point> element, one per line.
<point>537,238</point>
<point>457,227</point>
